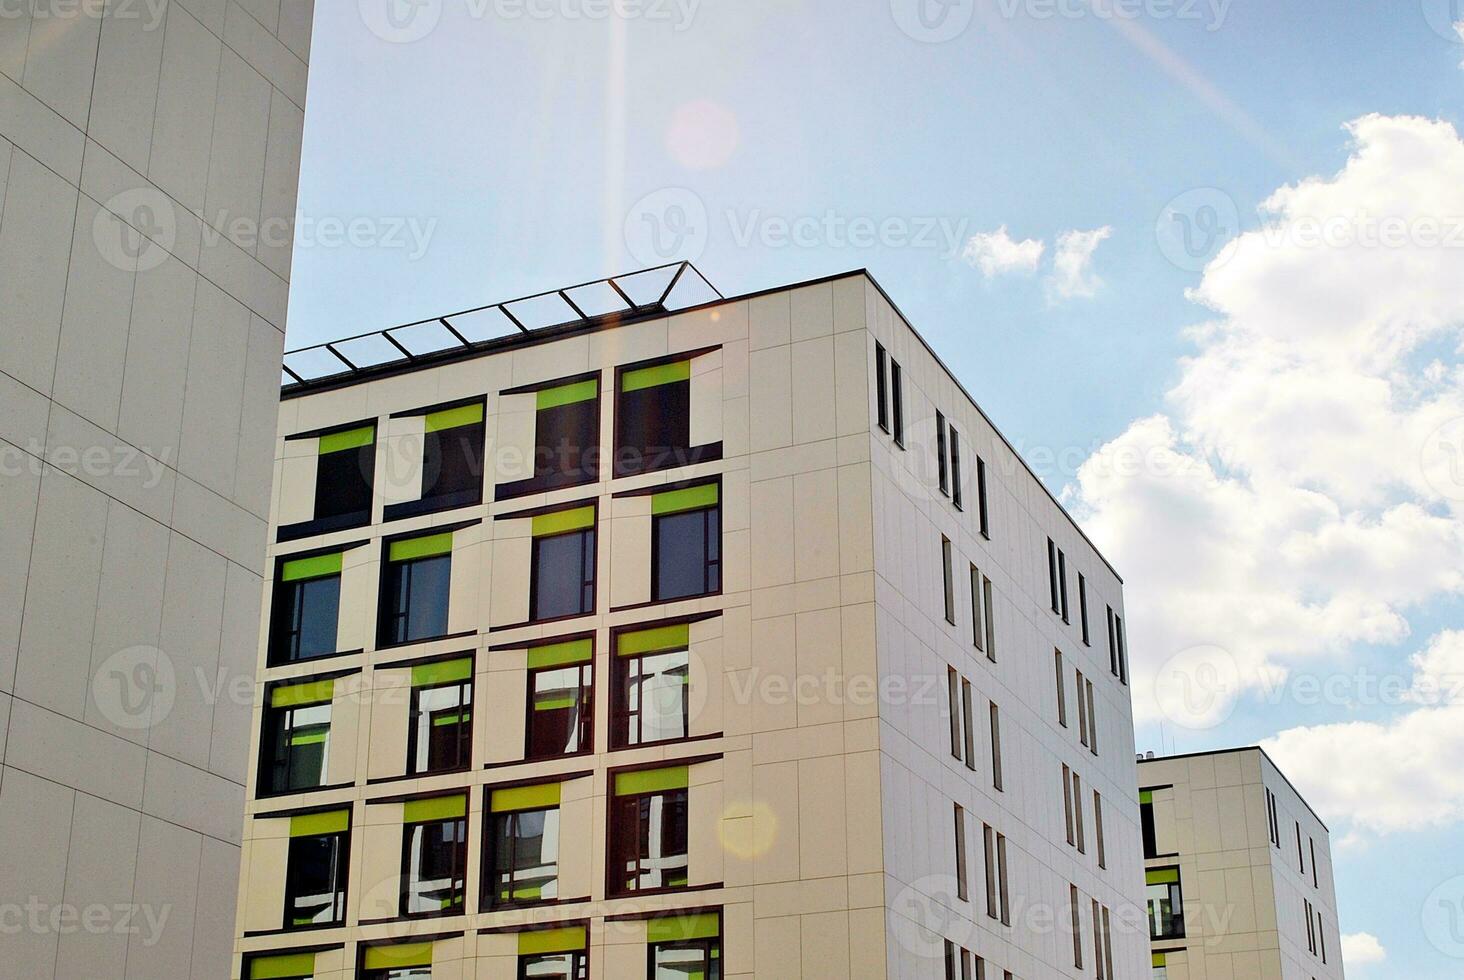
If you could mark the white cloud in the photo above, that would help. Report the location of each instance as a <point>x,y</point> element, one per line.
<point>1072,266</point>
<point>995,253</point>
<point>1303,491</point>
<point>1360,948</point>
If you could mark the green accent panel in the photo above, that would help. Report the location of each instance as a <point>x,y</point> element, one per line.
<point>454,418</point>
<point>425,547</point>
<point>410,954</point>
<point>692,498</point>
<point>320,824</point>
<point>657,640</point>
<point>679,928</point>
<point>651,781</point>
<point>562,521</point>
<point>284,965</point>
<point>305,568</point>
<point>308,738</point>
<point>437,808</point>
<point>540,797</point>
<point>442,673</point>
<point>662,374</point>
<point>317,692</point>
<point>561,654</point>
<point>554,704</point>
<point>1159,960</point>
<point>452,719</point>
<point>339,442</point>
<point>1146,796</point>
<point>545,941</point>
<point>580,391</point>
<point>1163,876</point>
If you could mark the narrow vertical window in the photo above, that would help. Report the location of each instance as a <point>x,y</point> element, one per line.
<point>1076,927</point>
<point>1313,842</point>
<point>1067,802</point>
<point>897,398</point>
<point>950,960</point>
<point>966,713</point>
<point>1082,710</point>
<point>966,964</point>
<point>305,612</point>
<point>1062,584</point>
<point>1098,828</point>
<point>881,387</point>
<point>1122,650</point>
<point>981,497</point>
<point>1092,719</point>
<point>1300,855</point>
<point>686,542</point>
<point>995,747</point>
<point>956,495</point>
<point>1112,645</point>
<point>440,732</point>
<point>989,846</point>
<point>1078,812</point>
<point>977,619</point>
<point>1083,608</point>
<point>415,588</point>
<point>940,453</point>
<point>1097,940</point>
<point>560,712</point>
<point>521,847</point>
<point>990,617</point>
<point>960,819</point>
<point>434,856</point>
<point>949,578</point>
<point>562,564</point>
<point>1107,943</point>
<point>953,692</point>
<point>1001,873</point>
<point>1061,690</point>
<point>1052,574</point>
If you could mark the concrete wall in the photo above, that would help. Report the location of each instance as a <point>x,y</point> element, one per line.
<point>139,364</point>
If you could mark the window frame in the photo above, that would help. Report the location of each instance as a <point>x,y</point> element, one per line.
<point>460,864</point>
<point>617,806</point>
<point>586,707</point>
<point>897,402</point>
<point>621,465</point>
<point>620,713</point>
<point>464,738</point>
<point>707,537</point>
<point>389,586</point>
<point>949,578</point>
<point>293,585</point>
<point>942,468</point>
<point>881,387</point>
<point>267,787</point>
<point>957,496</point>
<point>982,507</point>
<point>436,503</point>
<point>589,557</point>
<point>488,889</point>
<point>549,480</point>
<point>342,864</point>
<point>1174,895</point>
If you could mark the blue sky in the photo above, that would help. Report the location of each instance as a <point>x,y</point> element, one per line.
<point>522,138</point>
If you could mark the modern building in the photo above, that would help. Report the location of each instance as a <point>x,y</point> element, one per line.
<point>1238,869</point>
<point>148,169</point>
<point>712,639</point>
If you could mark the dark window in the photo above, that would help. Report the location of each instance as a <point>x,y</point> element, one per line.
<point>523,851</point>
<point>1067,803</point>
<point>653,420</point>
<point>977,625</point>
<point>1092,718</point>
<point>960,821</point>
<point>560,709</point>
<point>1062,584</point>
<point>981,497</point>
<point>1166,904</point>
<point>297,737</point>
<point>949,580</point>
<point>435,856</point>
<point>881,387</point>
<point>940,452</point>
<point>1061,690</point>
<point>1112,645</point>
<point>452,462</point>
<point>1146,824</point>
<point>562,569</point>
<point>343,478</point>
<point>1083,607</point>
<point>440,738</point>
<point>1122,650</point>
<point>652,681</point>
<point>956,495</point>
<point>950,960</point>
<point>315,870</point>
<point>416,582</point>
<point>1082,709</point>
<point>1077,929</point>
<point>995,747</point>
<point>648,831</point>
<point>989,847</point>
<point>572,965</point>
<point>306,609</point>
<point>697,959</point>
<point>1001,874</point>
<point>1098,828</point>
<point>686,543</point>
<point>967,713</point>
<point>566,439</point>
<point>1052,574</point>
<point>953,694</point>
<point>1078,812</point>
<point>1312,844</point>
<point>986,592</point>
<point>897,391</point>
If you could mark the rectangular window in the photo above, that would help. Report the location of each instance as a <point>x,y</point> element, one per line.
<point>1061,690</point>
<point>1271,816</point>
<point>940,453</point>
<point>977,618</point>
<point>990,618</point>
<point>1321,936</point>
<point>434,856</point>
<point>967,712</point>
<point>950,960</point>
<point>1146,823</point>
<point>315,869</point>
<point>297,734</point>
<point>956,496</point>
<point>881,387</point>
<point>981,498</point>
<point>1312,843</point>
<point>989,846</point>
<point>440,736</point>
<point>995,747</point>
<point>306,609</point>
<point>1112,645</point>
<point>1067,802</point>
<point>948,578</point>
<point>1300,857</point>
<point>562,564</point>
<point>452,462</point>
<point>521,853</point>
<point>1062,584</point>
<point>897,393</point>
<point>1001,874</point>
<point>398,961</point>
<point>1092,718</point>
<point>953,693</point>
<point>686,543</point>
<point>1082,710</point>
<point>415,587</point>
<point>1161,967</point>
<point>961,885</point>
<point>1097,940</point>
<point>648,831</point>
<point>1107,944</point>
<point>561,699</point>
<point>553,954</point>
<point>651,686</point>
<point>1076,925</point>
<point>1311,927</point>
<point>1078,812</point>
<point>966,973</point>
<point>566,438</point>
<point>1166,903</point>
<point>653,420</point>
<point>1083,608</point>
<point>1098,828</point>
<point>1052,574</point>
<point>1122,650</point>
<point>344,473</point>
<point>685,947</point>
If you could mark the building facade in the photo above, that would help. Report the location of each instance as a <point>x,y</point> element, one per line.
<point>149,155</point>
<point>1238,869</point>
<point>727,642</point>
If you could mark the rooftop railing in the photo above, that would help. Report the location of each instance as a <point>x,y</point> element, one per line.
<point>648,292</point>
